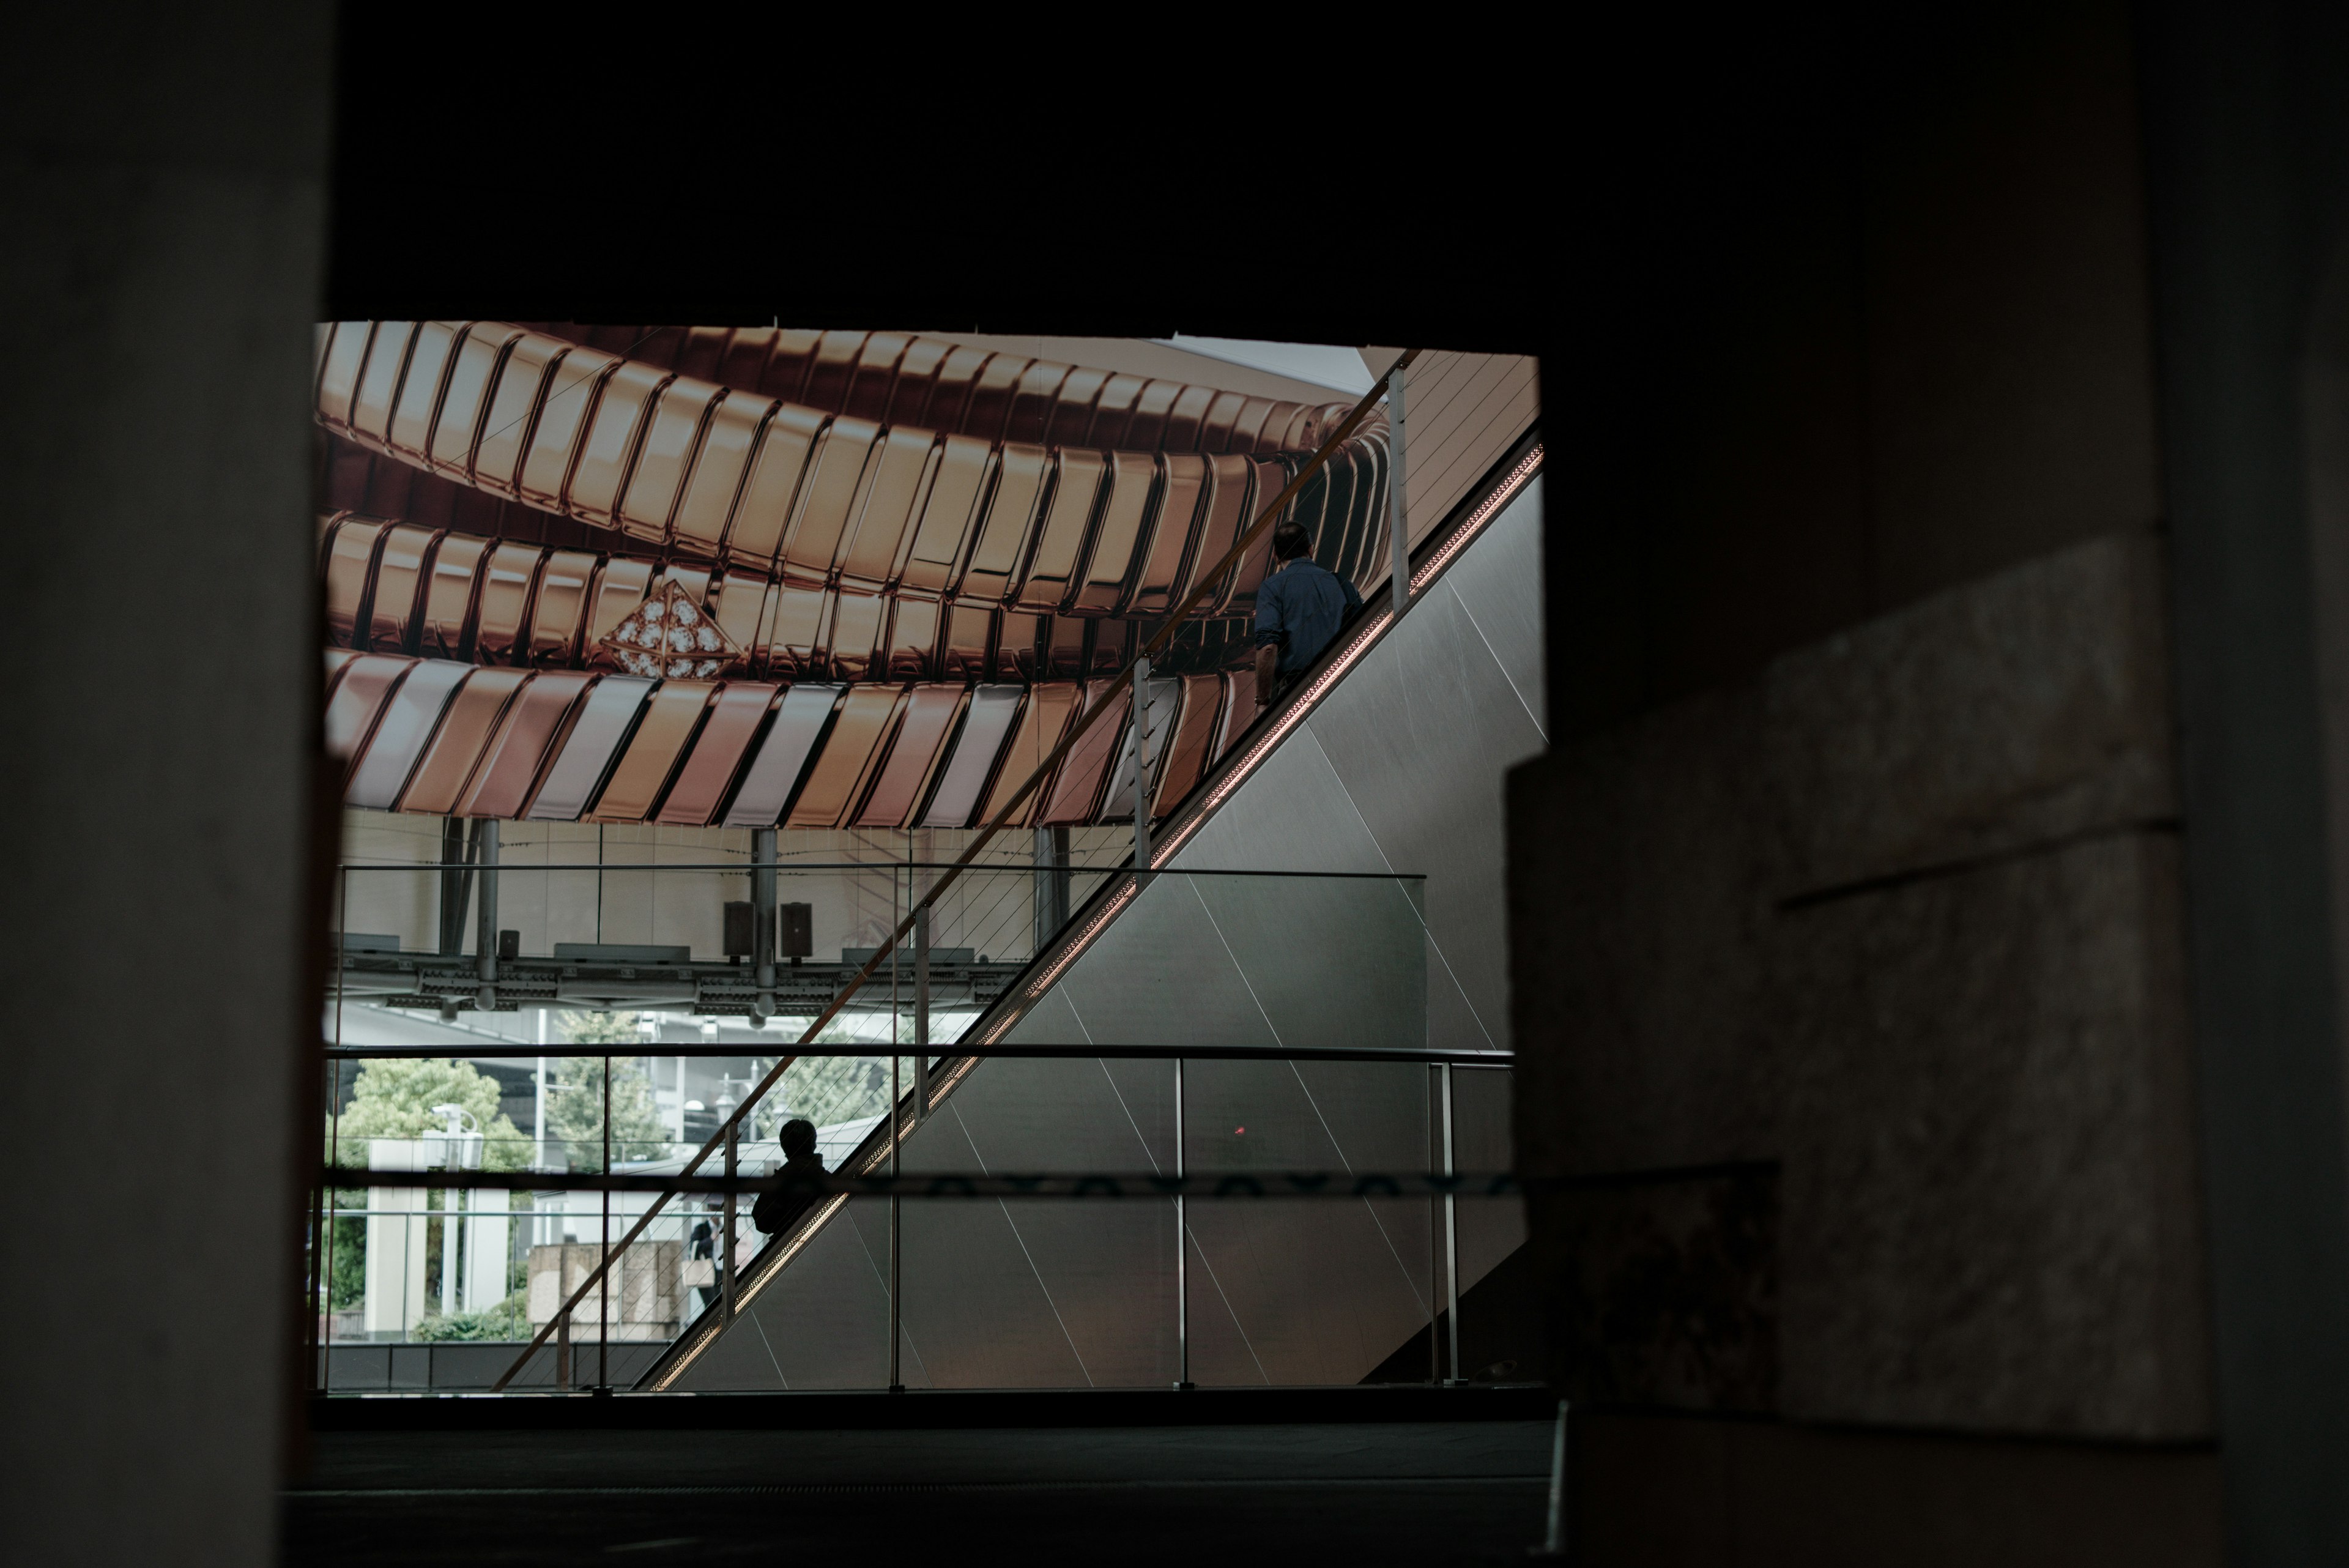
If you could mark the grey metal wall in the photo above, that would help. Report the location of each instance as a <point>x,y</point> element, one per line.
<point>1398,773</point>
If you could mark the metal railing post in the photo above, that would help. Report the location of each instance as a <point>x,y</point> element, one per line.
<point>1435,1234</point>
<point>726,1269</point>
<point>486,959</point>
<point>1182,1250</point>
<point>562,1342</point>
<point>1398,526</point>
<point>1140,767</point>
<point>896,1383</point>
<point>1554,1537</point>
<point>762,923</point>
<point>1450,1231</point>
<point>603,1289</point>
<point>921,1011</point>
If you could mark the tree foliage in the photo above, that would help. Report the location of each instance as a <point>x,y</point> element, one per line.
<point>395,1099</point>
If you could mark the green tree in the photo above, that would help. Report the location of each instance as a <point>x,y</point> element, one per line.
<point>395,1099</point>
<point>575,1106</point>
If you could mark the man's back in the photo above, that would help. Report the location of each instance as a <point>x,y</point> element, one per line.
<point>1300,607</point>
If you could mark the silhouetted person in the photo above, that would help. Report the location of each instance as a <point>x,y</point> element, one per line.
<point>1299,609</point>
<point>778,1206</point>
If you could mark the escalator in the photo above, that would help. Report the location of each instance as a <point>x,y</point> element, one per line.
<point>1376,788</point>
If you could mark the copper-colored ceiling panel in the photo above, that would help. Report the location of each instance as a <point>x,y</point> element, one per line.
<point>789,356</point>
<point>989,409</point>
<point>1231,486</point>
<point>976,749</point>
<point>1113,410</point>
<point>1050,706</point>
<point>774,485</point>
<point>742,610</point>
<point>884,510</point>
<point>1165,719</point>
<point>876,375</point>
<point>350,572</point>
<point>1071,421</point>
<point>836,782</point>
<point>743,364</point>
<point>1065,649</point>
<point>912,639</point>
<point>398,574</point>
<point>619,586</point>
<point>718,751</point>
<point>513,401</point>
<point>1077,788</point>
<point>829,369</point>
<point>508,771</point>
<point>1033,400</point>
<point>703,350</point>
<point>950,394</point>
<point>1060,540</point>
<point>1184,432</point>
<point>338,660</point>
<point>773,775</point>
<point>1247,432</point>
<point>1132,482</point>
<point>401,735</point>
<point>909,400</point>
<point>1182,482</point>
<point>857,624</point>
<point>730,436</point>
<point>654,751</point>
<point>338,373</point>
<point>963,650</point>
<point>505,601</point>
<point>800,633</point>
<point>914,756</point>
<point>456,747</point>
<point>1270,477</point>
<point>410,432</point>
<point>835,474</point>
<point>1216,424</point>
<point>1239,707</point>
<point>1113,646</point>
<point>963,471</point>
<point>379,382</point>
<point>359,700</point>
<point>560,608</point>
<point>1003,534</point>
<point>583,757</point>
<point>1195,730</point>
<point>594,491</point>
<point>660,470</point>
<point>1147,428</point>
<point>446,627</point>
<point>1015,645</point>
<point>459,424</point>
<point>565,414</point>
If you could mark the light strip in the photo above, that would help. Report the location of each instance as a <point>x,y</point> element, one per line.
<point>1468,531</point>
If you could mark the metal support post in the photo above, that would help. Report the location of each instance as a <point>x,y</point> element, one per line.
<point>921,1011</point>
<point>1140,766</point>
<point>1398,529</point>
<point>486,940</point>
<point>726,1268</point>
<point>1434,1231</point>
<point>1554,1538</point>
<point>896,1383</point>
<point>1051,884</point>
<point>762,921</point>
<point>1450,1231</point>
<point>562,1342</point>
<point>603,1289</point>
<point>1182,1251</point>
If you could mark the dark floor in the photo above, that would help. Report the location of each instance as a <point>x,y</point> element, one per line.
<point>1251,1490</point>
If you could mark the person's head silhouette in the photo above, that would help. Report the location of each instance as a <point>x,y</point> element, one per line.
<point>798,1138</point>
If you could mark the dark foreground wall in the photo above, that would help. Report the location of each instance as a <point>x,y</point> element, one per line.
<point>1930,868</point>
<point>162,204</point>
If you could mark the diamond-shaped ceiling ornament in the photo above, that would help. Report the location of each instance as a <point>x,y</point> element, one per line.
<point>670,635</point>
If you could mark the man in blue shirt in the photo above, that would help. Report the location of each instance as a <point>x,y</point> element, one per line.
<point>1298,611</point>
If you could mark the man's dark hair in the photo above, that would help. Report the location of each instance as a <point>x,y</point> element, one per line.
<point>1291,540</point>
<point>798,1137</point>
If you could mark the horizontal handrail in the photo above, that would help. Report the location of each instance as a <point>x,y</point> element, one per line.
<point>963,1183</point>
<point>1085,1053</point>
<point>1206,584</point>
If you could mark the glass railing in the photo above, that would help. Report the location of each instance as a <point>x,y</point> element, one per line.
<point>1126,1218</point>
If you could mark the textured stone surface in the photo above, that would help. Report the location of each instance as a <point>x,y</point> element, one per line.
<point>1901,912</point>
